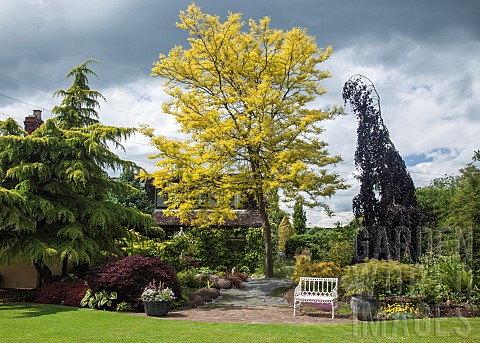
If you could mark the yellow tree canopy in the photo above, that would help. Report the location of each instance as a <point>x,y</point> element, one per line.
<point>242,98</point>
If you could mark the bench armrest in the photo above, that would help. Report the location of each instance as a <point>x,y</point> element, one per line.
<point>298,289</point>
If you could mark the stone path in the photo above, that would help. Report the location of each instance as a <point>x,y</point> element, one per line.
<point>255,292</point>
<point>253,303</point>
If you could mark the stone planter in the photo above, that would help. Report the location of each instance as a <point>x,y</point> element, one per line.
<point>156,308</point>
<point>364,306</point>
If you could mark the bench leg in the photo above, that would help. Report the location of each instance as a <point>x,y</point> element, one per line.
<point>333,311</point>
<point>296,304</point>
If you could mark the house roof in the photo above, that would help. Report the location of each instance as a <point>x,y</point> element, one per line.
<point>245,218</point>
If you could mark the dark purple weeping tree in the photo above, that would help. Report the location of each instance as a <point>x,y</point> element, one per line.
<point>386,203</point>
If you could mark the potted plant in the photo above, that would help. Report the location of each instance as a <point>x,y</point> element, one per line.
<point>364,306</point>
<point>156,298</point>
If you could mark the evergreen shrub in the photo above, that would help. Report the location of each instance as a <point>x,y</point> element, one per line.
<point>191,278</point>
<point>381,278</point>
<point>442,278</point>
<point>341,253</point>
<point>298,242</point>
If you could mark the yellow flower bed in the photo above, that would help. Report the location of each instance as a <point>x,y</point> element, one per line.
<point>399,311</point>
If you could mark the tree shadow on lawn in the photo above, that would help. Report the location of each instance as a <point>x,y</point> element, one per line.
<point>29,310</point>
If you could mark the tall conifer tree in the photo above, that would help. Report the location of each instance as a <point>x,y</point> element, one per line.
<point>54,184</point>
<point>299,218</point>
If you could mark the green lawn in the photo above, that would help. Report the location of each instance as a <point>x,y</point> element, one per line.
<point>23,322</point>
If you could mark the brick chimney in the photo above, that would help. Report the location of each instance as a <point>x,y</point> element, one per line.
<point>33,121</point>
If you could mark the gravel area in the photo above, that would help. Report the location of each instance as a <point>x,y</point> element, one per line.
<point>254,292</point>
<point>253,303</point>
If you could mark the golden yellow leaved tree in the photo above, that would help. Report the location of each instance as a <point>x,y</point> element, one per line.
<point>241,97</point>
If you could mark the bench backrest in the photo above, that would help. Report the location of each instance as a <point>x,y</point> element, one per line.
<point>318,286</point>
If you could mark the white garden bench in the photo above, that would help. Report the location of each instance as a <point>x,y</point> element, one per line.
<point>316,290</point>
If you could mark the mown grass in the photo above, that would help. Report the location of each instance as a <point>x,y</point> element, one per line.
<point>24,322</point>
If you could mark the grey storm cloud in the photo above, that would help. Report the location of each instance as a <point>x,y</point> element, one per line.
<point>422,56</point>
<point>43,39</point>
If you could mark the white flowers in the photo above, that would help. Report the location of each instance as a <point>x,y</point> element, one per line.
<point>157,292</point>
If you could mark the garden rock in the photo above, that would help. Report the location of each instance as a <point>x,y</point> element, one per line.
<point>223,283</point>
<point>189,304</point>
<point>197,300</point>
<point>213,292</point>
<point>208,294</point>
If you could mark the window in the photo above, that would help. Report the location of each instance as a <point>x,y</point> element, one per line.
<point>236,201</point>
<point>160,200</point>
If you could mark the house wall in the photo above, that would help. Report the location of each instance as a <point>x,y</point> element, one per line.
<point>19,275</point>
<point>22,275</point>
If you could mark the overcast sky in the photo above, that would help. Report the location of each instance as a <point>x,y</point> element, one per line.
<point>422,56</point>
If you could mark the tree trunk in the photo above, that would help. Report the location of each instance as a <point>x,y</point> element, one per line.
<point>44,271</point>
<point>65,267</point>
<point>267,235</point>
<point>262,209</point>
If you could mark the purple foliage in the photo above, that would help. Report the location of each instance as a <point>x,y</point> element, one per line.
<point>323,306</point>
<point>130,275</point>
<point>386,202</point>
<point>62,293</point>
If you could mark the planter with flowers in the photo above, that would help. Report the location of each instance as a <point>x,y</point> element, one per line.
<point>156,299</point>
